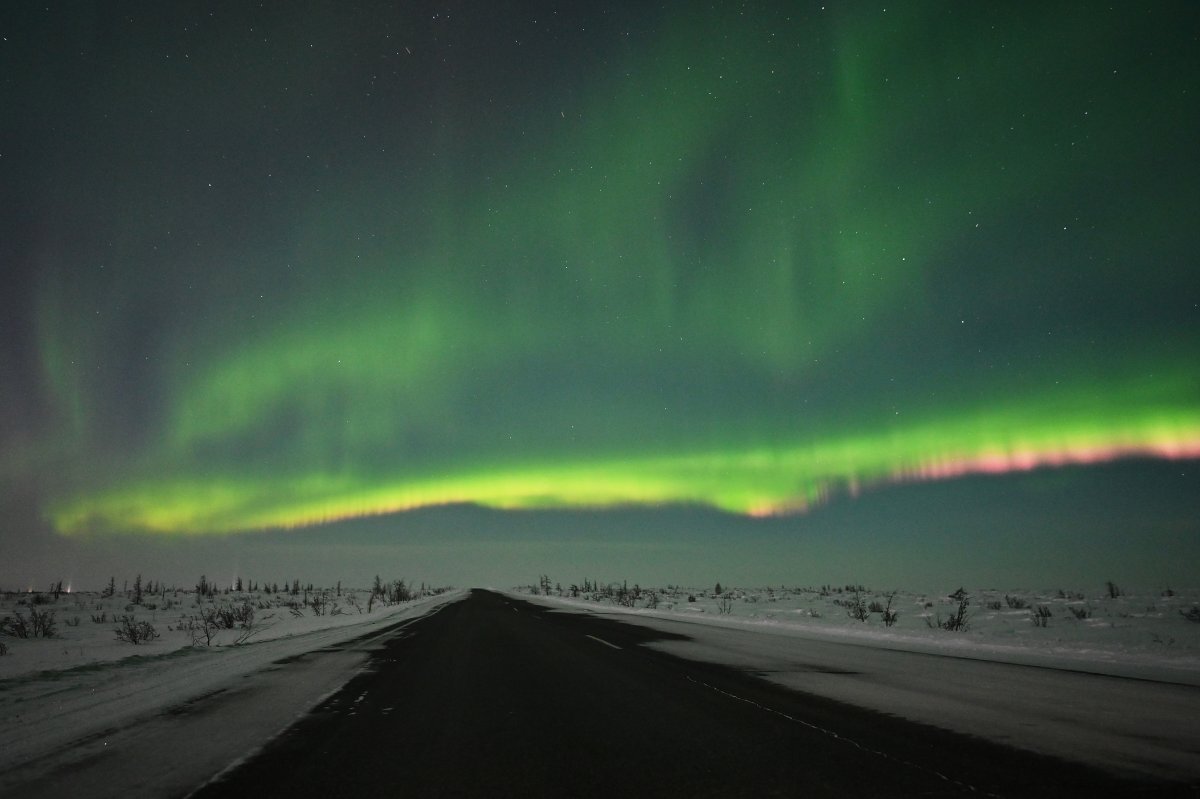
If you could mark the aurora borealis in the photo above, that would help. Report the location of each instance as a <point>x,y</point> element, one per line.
<point>268,270</point>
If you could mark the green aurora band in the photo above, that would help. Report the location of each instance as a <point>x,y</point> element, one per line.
<point>751,264</point>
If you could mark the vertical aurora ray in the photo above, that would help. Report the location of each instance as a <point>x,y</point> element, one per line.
<point>747,261</point>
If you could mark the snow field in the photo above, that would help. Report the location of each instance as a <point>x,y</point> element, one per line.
<point>85,694</point>
<point>1143,634</point>
<point>1119,690</point>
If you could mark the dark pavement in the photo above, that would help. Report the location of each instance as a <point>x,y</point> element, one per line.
<point>495,697</point>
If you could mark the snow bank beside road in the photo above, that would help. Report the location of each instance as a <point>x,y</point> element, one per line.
<point>1067,705</point>
<point>113,710</point>
<point>1138,636</point>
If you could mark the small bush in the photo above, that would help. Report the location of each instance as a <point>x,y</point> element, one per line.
<point>958,621</point>
<point>100,618</point>
<point>1015,602</point>
<point>17,626</point>
<point>133,631</point>
<point>40,624</point>
<point>994,604</point>
<point>856,608</point>
<point>201,628</point>
<point>890,616</point>
<point>1041,616</point>
<point>43,623</point>
<point>1191,614</point>
<point>72,622</point>
<point>1080,613</point>
<point>3,648</point>
<point>1113,589</point>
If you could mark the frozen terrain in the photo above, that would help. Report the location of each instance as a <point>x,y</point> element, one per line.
<point>1117,682</point>
<point>1150,634</point>
<point>83,692</point>
<point>1114,684</point>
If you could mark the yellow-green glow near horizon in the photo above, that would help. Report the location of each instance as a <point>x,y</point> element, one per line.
<point>746,261</point>
<point>754,482</point>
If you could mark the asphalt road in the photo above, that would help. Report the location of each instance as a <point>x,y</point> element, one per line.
<point>492,696</point>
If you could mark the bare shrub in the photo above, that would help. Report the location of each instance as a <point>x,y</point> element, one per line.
<point>132,631</point>
<point>958,621</point>
<point>246,633</point>
<point>1015,602</point>
<point>213,618</point>
<point>243,615</point>
<point>3,648</point>
<point>40,624</point>
<point>890,616</point>
<point>201,628</point>
<point>17,626</point>
<point>856,608</point>
<point>401,593</point>
<point>725,604</point>
<point>1040,616</point>
<point>43,623</point>
<point>1080,613</point>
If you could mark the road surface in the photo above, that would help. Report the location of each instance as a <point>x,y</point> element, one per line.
<point>493,696</point>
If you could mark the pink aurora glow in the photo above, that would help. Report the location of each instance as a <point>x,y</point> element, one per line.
<point>988,463</point>
<point>1024,460</point>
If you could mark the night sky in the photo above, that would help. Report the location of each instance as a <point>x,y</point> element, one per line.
<point>472,291</point>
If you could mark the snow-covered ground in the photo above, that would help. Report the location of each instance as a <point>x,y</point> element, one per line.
<point>1144,635</point>
<point>85,624</point>
<point>1118,689</point>
<point>83,694</point>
